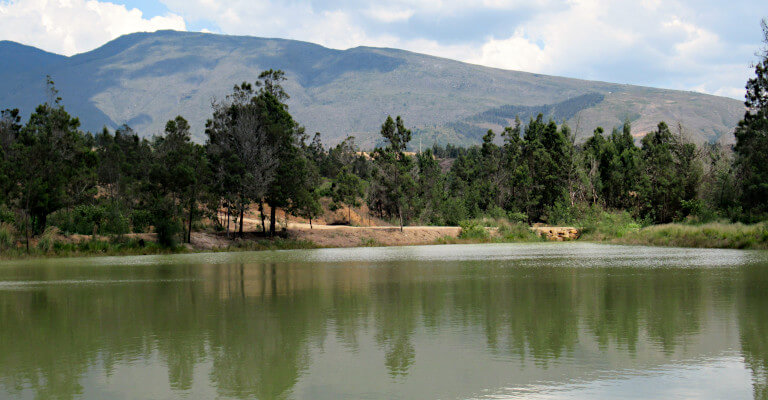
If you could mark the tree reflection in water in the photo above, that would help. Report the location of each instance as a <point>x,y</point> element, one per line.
<point>255,327</point>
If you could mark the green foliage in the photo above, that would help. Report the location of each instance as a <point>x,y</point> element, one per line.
<point>83,219</point>
<point>347,189</point>
<point>561,213</point>
<point>752,143</point>
<point>672,175</point>
<point>141,220</point>
<point>393,185</point>
<point>166,223</point>
<point>612,169</point>
<point>711,235</point>
<point>598,224</point>
<point>497,229</point>
<point>7,235</point>
<point>516,217</point>
<point>104,219</point>
<point>6,215</point>
<point>112,184</point>
<point>518,232</point>
<point>369,242</point>
<point>52,163</point>
<point>47,240</point>
<point>276,243</point>
<point>454,211</point>
<point>473,229</point>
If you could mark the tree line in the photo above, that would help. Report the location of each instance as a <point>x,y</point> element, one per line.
<point>257,155</point>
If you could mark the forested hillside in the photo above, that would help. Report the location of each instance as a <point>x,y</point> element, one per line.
<point>54,176</point>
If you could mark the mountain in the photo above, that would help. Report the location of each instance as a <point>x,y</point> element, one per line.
<point>145,79</point>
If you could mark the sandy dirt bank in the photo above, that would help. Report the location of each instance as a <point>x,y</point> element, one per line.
<point>352,236</point>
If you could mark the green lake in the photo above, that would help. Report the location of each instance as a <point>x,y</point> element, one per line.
<point>496,321</point>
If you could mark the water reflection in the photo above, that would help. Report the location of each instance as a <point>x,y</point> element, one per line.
<point>383,329</point>
<point>753,327</point>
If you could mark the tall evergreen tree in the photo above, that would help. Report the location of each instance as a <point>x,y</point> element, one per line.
<point>395,181</point>
<point>347,189</point>
<point>430,189</point>
<point>244,148</point>
<point>672,174</point>
<point>752,141</point>
<point>10,126</point>
<point>54,166</point>
<point>179,172</point>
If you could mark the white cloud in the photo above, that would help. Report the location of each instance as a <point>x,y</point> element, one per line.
<point>388,15</point>
<point>516,52</point>
<point>73,26</point>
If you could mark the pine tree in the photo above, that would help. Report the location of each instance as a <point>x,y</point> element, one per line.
<point>395,184</point>
<point>752,142</point>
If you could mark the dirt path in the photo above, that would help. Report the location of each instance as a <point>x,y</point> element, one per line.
<point>339,235</point>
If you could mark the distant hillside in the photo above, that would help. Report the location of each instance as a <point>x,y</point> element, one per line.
<point>144,79</point>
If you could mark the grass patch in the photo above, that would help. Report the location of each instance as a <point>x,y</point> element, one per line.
<point>134,247</point>
<point>493,230</point>
<point>7,236</point>
<point>518,232</point>
<point>49,247</point>
<point>599,225</point>
<point>711,235</point>
<point>270,244</point>
<point>369,242</point>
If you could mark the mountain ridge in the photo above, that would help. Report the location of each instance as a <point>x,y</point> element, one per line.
<point>144,79</point>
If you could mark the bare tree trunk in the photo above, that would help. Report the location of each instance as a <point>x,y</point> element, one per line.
<point>191,210</point>
<point>229,213</point>
<point>242,214</point>
<point>26,222</point>
<point>400,212</point>
<point>272,219</point>
<point>263,217</point>
<point>310,222</point>
<point>26,231</point>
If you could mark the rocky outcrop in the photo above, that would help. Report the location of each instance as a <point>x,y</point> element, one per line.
<point>557,233</point>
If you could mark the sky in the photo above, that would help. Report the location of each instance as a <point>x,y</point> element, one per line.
<point>700,45</point>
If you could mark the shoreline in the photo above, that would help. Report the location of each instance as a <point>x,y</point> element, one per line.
<point>300,236</point>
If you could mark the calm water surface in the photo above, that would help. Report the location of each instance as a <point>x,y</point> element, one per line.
<point>543,321</point>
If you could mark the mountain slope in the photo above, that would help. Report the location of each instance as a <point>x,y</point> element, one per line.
<point>144,79</point>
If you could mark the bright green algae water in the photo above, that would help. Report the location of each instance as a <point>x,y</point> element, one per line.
<point>533,321</point>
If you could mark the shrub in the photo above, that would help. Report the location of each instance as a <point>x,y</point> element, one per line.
<point>83,219</point>
<point>7,235</point>
<point>47,240</point>
<point>89,219</point>
<point>369,242</point>
<point>455,211</point>
<point>496,212</point>
<point>598,224</point>
<point>6,215</point>
<point>517,217</point>
<point>472,229</point>
<point>517,231</point>
<point>561,213</point>
<point>141,220</point>
<point>699,212</point>
<point>114,222</point>
<point>167,227</point>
